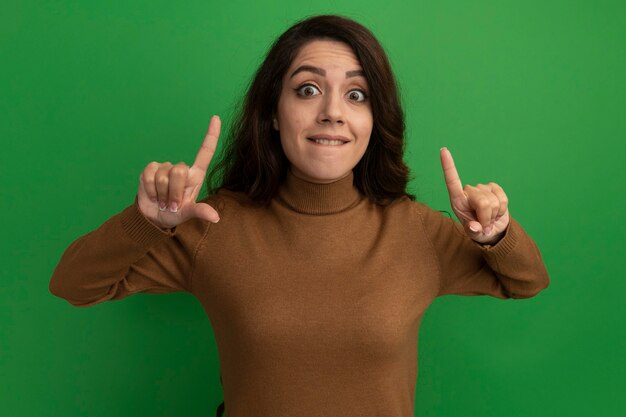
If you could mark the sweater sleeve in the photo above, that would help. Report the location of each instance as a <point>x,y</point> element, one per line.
<point>512,268</point>
<point>127,254</point>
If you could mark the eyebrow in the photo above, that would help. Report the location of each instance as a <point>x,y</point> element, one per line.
<point>321,71</point>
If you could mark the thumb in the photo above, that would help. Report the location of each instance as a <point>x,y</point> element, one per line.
<point>476,232</point>
<point>205,212</point>
<point>474,229</point>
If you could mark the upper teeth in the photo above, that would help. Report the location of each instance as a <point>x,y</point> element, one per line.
<point>329,141</point>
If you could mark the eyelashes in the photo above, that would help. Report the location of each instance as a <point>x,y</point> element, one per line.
<point>307,87</point>
<point>360,93</point>
<point>310,90</point>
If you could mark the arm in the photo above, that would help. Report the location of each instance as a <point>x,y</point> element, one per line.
<point>127,254</point>
<point>512,268</point>
<point>489,252</point>
<point>150,246</point>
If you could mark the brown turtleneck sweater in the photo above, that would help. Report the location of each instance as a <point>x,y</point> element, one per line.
<point>315,300</point>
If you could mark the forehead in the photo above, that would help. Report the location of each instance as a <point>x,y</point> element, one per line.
<point>326,54</point>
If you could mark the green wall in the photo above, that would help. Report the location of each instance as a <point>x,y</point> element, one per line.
<point>528,94</point>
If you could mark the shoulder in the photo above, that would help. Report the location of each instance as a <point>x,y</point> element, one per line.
<point>415,215</point>
<point>434,222</point>
<point>414,208</point>
<point>227,199</point>
<point>231,205</point>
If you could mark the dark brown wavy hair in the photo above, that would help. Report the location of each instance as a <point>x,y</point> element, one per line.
<point>253,160</point>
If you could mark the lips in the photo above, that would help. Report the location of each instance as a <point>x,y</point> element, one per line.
<point>332,140</point>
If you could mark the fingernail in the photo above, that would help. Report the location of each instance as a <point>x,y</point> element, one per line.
<point>215,221</point>
<point>173,207</point>
<point>473,229</point>
<point>443,148</point>
<point>488,230</point>
<point>162,205</point>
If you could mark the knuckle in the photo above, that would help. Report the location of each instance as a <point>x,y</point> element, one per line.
<point>165,166</point>
<point>179,170</point>
<point>146,179</point>
<point>162,180</point>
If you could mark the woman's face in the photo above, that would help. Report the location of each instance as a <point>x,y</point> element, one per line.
<point>324,115</point>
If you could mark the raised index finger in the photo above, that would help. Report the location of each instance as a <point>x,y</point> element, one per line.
<point>207,149</point>
<point>453,182</point>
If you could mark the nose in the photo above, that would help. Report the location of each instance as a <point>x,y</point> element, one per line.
<point>332,110</point>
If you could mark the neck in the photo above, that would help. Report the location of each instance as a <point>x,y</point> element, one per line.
<point>302,176</point>
<point>309,197</point>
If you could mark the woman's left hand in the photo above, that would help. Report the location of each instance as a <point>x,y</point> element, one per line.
<point>483,209</point>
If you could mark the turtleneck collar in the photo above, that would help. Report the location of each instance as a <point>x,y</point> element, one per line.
<point>314,198</point>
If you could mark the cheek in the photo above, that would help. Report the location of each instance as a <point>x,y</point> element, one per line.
<point>290,129</point>
<point>293,125</point>
<point>365,129</point>
<point>288,116</point>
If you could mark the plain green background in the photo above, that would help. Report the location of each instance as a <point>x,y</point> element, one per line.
<point>528,94</point>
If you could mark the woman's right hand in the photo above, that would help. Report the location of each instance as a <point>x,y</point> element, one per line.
<point>167,193</point>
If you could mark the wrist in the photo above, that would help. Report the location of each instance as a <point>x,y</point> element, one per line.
<point>494,241</point>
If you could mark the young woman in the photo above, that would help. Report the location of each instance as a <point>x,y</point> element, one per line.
<point>312,262</point>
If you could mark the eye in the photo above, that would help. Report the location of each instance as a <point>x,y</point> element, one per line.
<point>357,95</point>
<point>307,90</point>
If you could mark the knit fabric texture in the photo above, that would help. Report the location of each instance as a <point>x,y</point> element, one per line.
<point>315,299</point>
